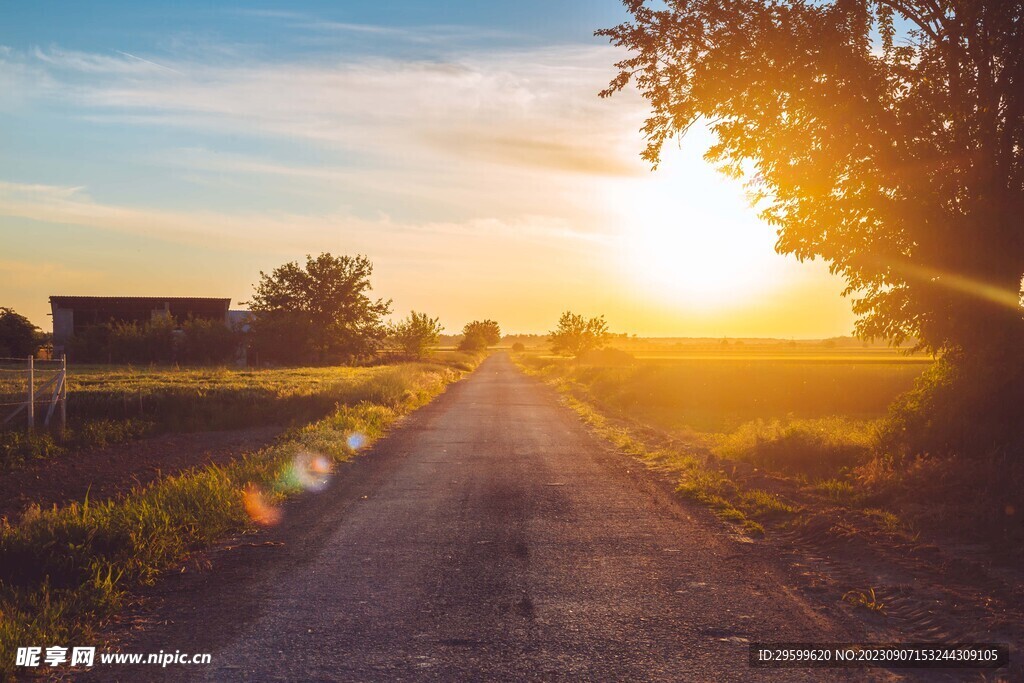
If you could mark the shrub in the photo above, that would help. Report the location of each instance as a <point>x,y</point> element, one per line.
<point>818,447</point>
<point>208,342</point>
<point>414,335</point>
<point>479,334</point>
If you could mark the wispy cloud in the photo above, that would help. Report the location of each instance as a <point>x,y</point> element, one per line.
<point>531,108</point>
<point>263,231</point>
<point>146,61</point>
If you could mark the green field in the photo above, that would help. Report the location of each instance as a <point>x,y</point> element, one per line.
<point>109,404</point>
<point>718,392</point>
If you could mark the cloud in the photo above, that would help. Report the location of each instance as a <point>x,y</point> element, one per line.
<point>263,231</point>
<point>518,108</point>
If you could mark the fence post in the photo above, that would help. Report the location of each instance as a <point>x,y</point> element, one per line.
<point>63,395</point>
<point>31,393</point>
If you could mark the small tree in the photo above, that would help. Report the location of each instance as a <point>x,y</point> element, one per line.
<point>18,336</point>
<point>479,334</point>
<point>414,335</point>
<point>575,335</point>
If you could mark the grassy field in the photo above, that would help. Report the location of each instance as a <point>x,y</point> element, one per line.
<point>110,404</point>
<point>718,393</point>
<point>64,571</point>
<point>725,419</point>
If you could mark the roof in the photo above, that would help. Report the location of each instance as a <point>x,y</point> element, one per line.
<point>137,301</point>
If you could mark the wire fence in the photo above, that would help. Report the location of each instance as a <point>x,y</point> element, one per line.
<point>33,393</point>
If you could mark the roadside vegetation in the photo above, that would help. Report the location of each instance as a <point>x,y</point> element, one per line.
<point>479,334</point>
<point>931,257</point>
<point>64,571</point>
<point>415,336</point>
<point>769,444</point>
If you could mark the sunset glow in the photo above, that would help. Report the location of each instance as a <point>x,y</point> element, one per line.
<point>448,155</point>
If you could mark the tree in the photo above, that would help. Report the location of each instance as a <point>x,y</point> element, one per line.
<point>19,338</point>
<point>883,136</point>
<point>415,334</point>
<point>479,334</point>
<point>320,312</point>
<point>575,335</point>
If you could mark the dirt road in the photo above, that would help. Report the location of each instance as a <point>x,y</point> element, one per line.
<point>490,537</point>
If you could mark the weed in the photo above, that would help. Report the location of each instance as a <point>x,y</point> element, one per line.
<point>867,600</point>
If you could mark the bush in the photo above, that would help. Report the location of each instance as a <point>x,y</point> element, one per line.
<point>199,341</point>
<point>820,447</point>
<point>415,335</point>
<point>518,347</point>
<point>208,342</point>
<point>283,338</point>
<point>125,342</point>
<point>955,409</point>
<point>479,334</point>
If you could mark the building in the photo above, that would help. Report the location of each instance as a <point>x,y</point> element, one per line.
<point>72,314</point>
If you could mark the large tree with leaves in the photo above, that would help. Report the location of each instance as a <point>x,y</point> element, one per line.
<point>883,136</point>
<point>319,312</point>
<point>18,336</point>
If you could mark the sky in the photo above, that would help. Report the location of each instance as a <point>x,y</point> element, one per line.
<point>178,149</point>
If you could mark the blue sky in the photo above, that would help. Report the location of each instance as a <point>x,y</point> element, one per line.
<point>180,148</point>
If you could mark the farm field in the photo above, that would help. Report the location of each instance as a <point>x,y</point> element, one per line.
<point>717,391</point>
<point>159,499</point>
<point>773,441</point>
<point>113,404</point>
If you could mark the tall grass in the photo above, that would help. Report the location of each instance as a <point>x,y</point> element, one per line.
<point>818,423</point>
<point>114,404</point>
<point>63,571</point>
<point>816,448</point>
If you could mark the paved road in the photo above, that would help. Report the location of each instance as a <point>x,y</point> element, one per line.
<point>491,537</point>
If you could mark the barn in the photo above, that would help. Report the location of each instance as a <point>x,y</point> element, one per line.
<point>72,314</point>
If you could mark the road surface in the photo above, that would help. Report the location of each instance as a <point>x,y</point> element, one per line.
<point>490,536</point>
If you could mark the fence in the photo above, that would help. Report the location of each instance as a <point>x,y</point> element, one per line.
<point>36,390</point>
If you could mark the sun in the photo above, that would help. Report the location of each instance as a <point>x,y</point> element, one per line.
<point>689,237</point>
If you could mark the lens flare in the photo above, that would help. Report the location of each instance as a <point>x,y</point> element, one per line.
<point>310,471</point>
<point>356,441</point>
<point>258,508</point>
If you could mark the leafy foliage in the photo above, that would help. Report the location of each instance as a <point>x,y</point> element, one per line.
<point>197,342</point>
<point>18,336</point>
<point>575,335</point>
<point>883,136</point>
<point>414,335</point>
<point>479,334</point>
<point>319,312</point>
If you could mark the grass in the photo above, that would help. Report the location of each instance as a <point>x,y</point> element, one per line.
<point>814,448</point>
<point>64,571</point>
<point>865,599</point>
<point>717,395</point>
<point>742,432</point>
<point>112,404</point>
